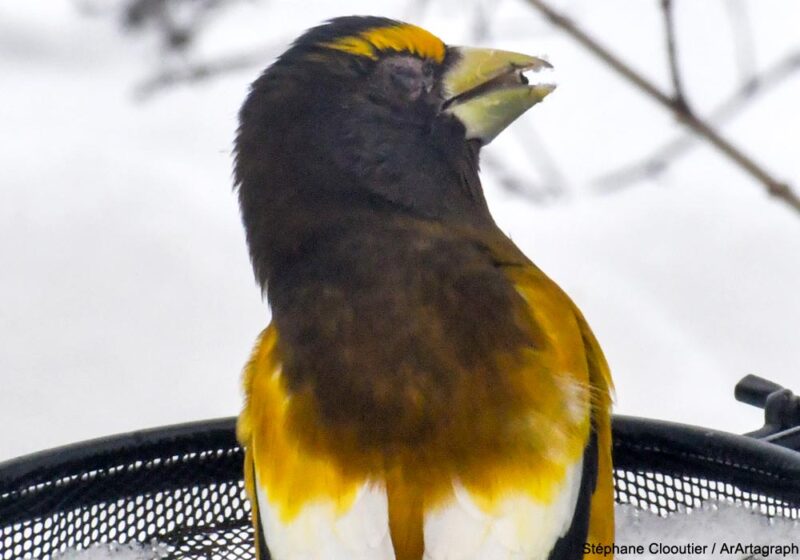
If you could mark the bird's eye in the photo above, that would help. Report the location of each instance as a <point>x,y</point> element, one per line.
<point>405,80</point>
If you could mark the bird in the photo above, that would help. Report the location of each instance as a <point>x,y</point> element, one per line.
<point>422,390</point>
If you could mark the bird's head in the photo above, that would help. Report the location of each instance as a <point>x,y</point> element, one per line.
<point>371,114</point>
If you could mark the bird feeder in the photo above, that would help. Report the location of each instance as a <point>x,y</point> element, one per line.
<point>181,486</point>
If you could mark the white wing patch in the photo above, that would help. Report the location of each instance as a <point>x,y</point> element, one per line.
<point>520,528</point>
<point>318,532</point>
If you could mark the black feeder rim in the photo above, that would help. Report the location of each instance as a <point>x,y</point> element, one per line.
<point>181,486</point>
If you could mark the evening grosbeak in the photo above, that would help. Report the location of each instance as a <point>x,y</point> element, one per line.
<point>423,389</point>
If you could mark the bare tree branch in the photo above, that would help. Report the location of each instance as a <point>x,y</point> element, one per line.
<point>743,42</point>
<point>674,70</point>
<point>746,93</point>
<point>512,182</point>
<point>177,22</point>
<point>554,181</point>
<point>481,22</point>
<point>773,186</point>
<point>199,72</point>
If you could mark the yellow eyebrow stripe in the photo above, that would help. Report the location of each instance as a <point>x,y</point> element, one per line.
<point>399,38</point>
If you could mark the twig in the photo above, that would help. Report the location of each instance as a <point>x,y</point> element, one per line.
<point>198,72</point>
<point>743,43</point>
<point>674,70</point>
<point>552,183</point>
<point>531,141</point>
<point>510,181</point>
<point>482,21</point>
<point>661,158</point>
<point>774,187</point>
<point>513,183</point>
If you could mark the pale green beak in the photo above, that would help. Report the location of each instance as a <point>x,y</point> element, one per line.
<point>485,89</point>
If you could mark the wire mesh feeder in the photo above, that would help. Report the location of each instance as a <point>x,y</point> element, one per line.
<point>182,487</point>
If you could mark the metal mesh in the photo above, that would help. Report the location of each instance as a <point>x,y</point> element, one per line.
<point>182,487</point>
<point>662,494</point>
<point>198,522</point>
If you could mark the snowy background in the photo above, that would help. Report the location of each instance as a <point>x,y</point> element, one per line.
<point>127,296</point>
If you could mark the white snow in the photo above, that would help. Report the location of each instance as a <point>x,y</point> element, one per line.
<point>703,531</point>
<point>116,551</point>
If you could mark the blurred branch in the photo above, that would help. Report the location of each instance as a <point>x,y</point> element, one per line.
<point>512,182</point>
<point>532,143</point>
<point>773,186</point>
<point>743,42</point>
<point>746,93</point>
<point>199,72</point>
<point>177,22</point>
<point>482,21</point>
<point>552,184</point>
<point>674,71</point>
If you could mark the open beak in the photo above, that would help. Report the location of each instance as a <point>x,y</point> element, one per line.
<point>487,89</point>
